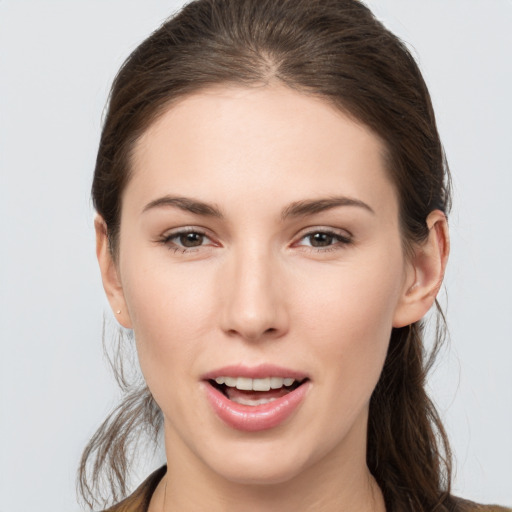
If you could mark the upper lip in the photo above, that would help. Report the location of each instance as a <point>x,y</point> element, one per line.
<point>260,371</point>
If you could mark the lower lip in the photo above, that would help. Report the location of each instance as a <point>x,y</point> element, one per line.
<point>258,417</point>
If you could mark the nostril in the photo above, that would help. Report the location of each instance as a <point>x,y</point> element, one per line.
<point>254,334</point>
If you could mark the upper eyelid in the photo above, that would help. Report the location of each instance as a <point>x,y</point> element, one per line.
<point>305,232</point>
<point>170,233</point>
<point>169,236</point>
<point>302,232</point>
<point>324,229</point>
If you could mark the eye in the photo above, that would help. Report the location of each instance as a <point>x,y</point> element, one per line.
<point>185,240</point>
<point>190,239</point>
<point>322,240</point>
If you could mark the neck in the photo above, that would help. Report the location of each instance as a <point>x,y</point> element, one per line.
<point>279,498</point>
<point>334,484</point>
<point>317,496</point>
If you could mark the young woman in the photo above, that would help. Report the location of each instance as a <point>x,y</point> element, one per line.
<point>272,197</point>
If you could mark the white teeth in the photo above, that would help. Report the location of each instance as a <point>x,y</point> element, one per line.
<point>276,382</point>
<point>261,384</point>
<point>244,383</point>
<point>248,401</point>
<point>248,384</point>
<point>230,381</point>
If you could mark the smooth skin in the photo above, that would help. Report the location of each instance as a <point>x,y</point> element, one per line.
<point>255,277</point>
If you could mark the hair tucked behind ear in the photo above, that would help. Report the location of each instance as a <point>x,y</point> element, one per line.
<point>336,50</point>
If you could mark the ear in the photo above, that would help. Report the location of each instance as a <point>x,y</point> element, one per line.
<point>425,273</point>
<point>110,275</point>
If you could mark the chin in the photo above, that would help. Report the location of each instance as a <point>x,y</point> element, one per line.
<point>258,464</point>
<point>254,474</point>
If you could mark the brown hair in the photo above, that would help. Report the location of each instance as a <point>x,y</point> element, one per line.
<point>337,50</point>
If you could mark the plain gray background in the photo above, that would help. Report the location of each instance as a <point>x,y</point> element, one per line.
<point>57,60</point>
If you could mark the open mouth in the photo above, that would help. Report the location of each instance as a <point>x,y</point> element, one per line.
<point>255,399</point>
<point>253,392</point>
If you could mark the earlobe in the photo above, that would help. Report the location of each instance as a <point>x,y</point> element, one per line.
<point>426,273</point>
<point>109,274</point>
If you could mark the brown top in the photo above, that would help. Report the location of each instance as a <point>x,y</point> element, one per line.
<point>139,500</point>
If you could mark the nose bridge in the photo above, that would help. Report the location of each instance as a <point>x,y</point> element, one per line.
<point>253,307</point>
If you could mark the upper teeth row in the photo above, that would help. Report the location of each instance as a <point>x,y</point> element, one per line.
<point>248,384</point>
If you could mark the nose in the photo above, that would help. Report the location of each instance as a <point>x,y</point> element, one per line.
<point>253,298</point>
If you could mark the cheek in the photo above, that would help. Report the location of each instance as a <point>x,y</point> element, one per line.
<point>171,313</point>
<point>350,313</point>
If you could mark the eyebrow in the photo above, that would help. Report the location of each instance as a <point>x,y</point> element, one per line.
<point>186,204</point>
<point>312,206</point>
<point>295,209</point>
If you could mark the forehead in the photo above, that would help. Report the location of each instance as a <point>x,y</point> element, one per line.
<point>259,141</point>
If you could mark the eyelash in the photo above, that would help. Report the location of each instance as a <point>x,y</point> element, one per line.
<point>341,240</point>
<point>167,240</point>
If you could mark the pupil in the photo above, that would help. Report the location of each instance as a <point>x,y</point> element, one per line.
<point>191,239</point>
<point>321,239</point>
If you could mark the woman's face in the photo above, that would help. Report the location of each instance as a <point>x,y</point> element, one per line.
<point>260,240</point>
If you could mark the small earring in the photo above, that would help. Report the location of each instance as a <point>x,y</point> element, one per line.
<point>118,311</point>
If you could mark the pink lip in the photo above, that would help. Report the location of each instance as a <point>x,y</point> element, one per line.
<point>259,417</point>
<point>256,372</point>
